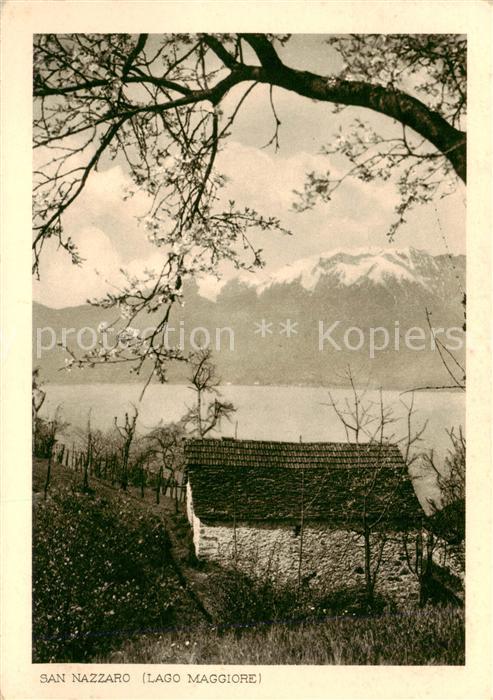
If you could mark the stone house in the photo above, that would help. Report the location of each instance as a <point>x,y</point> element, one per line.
<point>298,510</point>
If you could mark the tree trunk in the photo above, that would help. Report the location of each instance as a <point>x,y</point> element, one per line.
<point>86,472</point>
<point>302,528</point>
<point>142,481</point>
<point>48,475</point>
<point>369,585</point>
<point>124,479</point>
<point>158,486</point>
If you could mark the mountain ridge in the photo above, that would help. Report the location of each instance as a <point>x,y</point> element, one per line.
<point>371,295</point>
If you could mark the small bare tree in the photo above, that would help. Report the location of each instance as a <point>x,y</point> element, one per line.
<point>38,398</point>
<point>94,445</point>
<point>452,480</point>
<point>167,445</point>
<point>371,509</point>
<point>444,531</point>
<point>52,428</point>
<point>127,433</point>
<point>141,456</point>
<point>206,416</point>
<point>448,515</point>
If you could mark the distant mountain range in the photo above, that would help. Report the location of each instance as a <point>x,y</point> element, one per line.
<point>302,325</point>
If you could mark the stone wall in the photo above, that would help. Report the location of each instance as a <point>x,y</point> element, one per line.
<point>330,560</point>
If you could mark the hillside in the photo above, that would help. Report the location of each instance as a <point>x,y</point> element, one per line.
<point>137,595</point>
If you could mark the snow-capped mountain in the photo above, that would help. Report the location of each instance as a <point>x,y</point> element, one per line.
<point>376,266</point>
<point>348,267</point>
<point>363,289</point>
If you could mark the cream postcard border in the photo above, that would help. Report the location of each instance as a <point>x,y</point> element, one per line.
<point>19,20</point>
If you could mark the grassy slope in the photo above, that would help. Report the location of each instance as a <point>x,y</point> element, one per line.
<point>423,637</point>
<point>431,636</point>
<point>106,566</point>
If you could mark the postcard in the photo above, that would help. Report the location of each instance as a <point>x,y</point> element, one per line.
<point>243,247</point>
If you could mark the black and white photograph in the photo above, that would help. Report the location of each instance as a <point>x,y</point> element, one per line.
<point>249,316</point>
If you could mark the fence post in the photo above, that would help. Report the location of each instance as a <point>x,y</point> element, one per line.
<point>302,523</point>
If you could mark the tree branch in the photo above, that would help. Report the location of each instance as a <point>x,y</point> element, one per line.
<point>215,45</point>
<point>388,101</point>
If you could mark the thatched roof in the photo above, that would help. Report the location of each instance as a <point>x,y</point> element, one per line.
<point>253,481</point>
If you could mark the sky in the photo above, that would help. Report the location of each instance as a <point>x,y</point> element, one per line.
<point>359,215</point>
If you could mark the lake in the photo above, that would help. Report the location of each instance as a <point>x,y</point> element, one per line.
<point>285,413</point>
